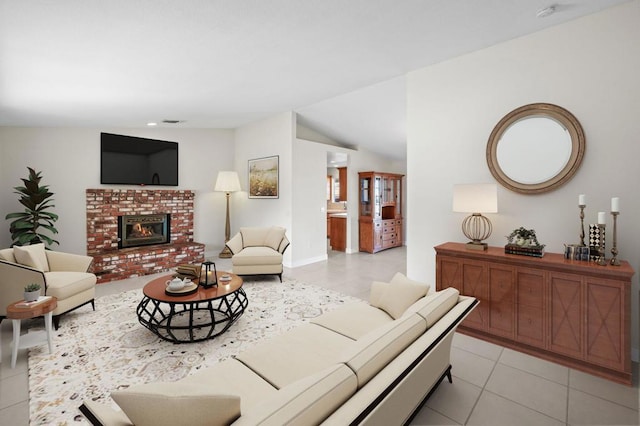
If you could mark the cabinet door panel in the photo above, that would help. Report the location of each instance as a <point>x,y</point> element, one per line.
<point>469,279</point>
<point>530,317</point>
<point>605,323</point>
<point>474,283</point>
<point>501,300</point>
<point>530,326</point>
<point>566,314</point>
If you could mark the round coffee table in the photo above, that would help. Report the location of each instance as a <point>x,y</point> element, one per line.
<point>195,316</point>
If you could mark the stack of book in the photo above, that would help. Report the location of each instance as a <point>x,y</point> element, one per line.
<point>535,251</point>
<point>188,270</point>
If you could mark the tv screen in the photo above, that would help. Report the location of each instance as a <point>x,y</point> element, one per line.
<point>130,160</point>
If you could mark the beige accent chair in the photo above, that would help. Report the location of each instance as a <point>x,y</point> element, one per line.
<point>258,251</point>
<point>62,275</point>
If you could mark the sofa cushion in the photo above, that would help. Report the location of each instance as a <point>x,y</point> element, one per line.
<point>254,237</point>
<point>353,320</point>
<point>33,256</point>
<point>171,404</point>
<point>297,353</point>
<point>274,237</point>
<point>394,299</point>
<point>370,354</point>
<point>308,401</point>
<point>66,284</point>
<point>434,305</point>
<point>257,256</point>
<point>236,379</point>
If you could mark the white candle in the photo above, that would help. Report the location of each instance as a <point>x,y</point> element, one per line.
<point>582,200</point>
<point>601,218</point>
<point>615,204</point>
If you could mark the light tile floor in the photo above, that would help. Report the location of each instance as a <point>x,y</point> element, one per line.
<point>492,385</point>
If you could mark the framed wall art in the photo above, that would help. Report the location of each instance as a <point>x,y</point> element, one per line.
<point>263,177</point>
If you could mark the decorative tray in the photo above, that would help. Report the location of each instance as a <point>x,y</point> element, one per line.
<point>188,289</point>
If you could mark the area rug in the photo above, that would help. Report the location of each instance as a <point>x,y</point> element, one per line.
<point>97,352</point>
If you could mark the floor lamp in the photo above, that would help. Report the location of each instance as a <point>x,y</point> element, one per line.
<point>227,182</point>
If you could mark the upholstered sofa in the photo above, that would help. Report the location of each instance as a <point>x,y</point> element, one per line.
<point>62,275</point>
<point>364,363</point>
<point>258,251</point>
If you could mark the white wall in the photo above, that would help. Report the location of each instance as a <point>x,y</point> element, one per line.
<point>69,159</point>
<point>309,201</point>
<point>266,138</point>
<point>588,66</point>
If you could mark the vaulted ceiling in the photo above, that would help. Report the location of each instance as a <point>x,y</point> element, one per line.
<point>340,64</point>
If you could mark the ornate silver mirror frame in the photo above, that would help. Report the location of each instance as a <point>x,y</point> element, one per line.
<point>535,148</point>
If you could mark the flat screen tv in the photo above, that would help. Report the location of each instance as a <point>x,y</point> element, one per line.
<point>129,160</point>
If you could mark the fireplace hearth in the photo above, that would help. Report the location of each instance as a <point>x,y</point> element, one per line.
<point>143,229</point>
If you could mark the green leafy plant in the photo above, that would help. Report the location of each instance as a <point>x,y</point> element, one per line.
<point>32,287</point>
<point>522,236</point>
<point>26,228</point>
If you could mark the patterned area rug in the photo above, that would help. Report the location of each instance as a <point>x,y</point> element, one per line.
<point>97,352</point>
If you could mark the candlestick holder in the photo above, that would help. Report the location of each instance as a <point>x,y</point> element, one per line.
<point>602,261</point>
<point>614,249</point>
<point>582,206</point>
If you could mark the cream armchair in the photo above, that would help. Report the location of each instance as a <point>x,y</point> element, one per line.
<point>258,251</point>
<point>62,275</point>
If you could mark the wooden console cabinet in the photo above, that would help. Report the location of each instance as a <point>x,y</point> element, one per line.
<point>380,220</point>
<point>571,312</point>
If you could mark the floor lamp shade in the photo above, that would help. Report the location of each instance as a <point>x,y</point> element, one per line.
<point>476,199</point>
<point>227,182</point>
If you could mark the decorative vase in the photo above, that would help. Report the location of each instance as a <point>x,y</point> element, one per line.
<point>31,296</point>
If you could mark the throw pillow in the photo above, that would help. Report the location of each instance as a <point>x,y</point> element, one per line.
<point>377,290</point>
<point>394,298</point>
<point>33,256</point>
<point>171,404</point>
<point>400,278</point>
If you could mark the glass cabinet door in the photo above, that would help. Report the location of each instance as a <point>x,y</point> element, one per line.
<point>377,190</point>
<point>365,196</point>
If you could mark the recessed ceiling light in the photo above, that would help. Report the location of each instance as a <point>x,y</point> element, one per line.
<point>546,11</point>
<point>151,123</point>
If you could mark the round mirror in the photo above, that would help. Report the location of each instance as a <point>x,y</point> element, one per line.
<point>535,148</point>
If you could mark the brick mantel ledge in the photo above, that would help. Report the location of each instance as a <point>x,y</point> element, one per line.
<point>138,261</point>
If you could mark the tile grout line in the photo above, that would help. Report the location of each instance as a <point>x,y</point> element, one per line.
<point>484,386</point>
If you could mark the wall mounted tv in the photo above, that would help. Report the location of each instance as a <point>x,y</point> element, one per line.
<point>129,160</point>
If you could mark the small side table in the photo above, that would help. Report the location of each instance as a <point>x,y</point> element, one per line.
<point>17,313</point>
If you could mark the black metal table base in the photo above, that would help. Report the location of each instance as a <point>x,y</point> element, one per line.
<point>187,322</point>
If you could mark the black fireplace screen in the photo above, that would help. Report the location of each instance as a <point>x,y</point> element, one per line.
<point>142,230</point>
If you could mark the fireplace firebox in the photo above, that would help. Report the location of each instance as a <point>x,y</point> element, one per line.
<point>143,229</point>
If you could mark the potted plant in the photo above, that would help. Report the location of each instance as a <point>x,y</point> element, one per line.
<point>27,226</point>
<point>31,292</point>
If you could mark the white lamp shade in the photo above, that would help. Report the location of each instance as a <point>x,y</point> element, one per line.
<point>227,182</point>
<point>475,198</point>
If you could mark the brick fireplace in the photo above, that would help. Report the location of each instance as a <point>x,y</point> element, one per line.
<point>105,206</point>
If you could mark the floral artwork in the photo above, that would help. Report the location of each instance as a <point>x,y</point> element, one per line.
<point>263,177</point>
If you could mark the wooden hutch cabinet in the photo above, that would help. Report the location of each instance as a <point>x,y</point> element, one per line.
<point>380,220</point>
<point>571,312</point>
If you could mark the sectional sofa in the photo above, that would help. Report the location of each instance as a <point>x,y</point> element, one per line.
<point>364,363</point>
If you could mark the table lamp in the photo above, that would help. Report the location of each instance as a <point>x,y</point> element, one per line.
<point>476,199</point>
